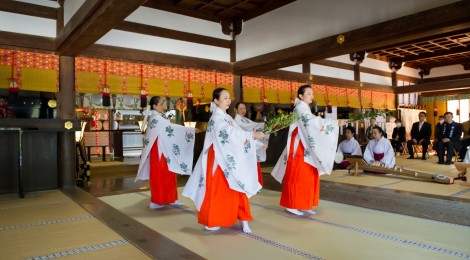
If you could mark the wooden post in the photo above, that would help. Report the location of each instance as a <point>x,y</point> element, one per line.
<point>238,93</point>
<point>66,110</point>
<point>357,72</point>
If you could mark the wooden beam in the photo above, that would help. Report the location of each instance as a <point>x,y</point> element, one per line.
<point>322,80</point>
<point>445,78</point>
<point>28,9</point>
<point>92,21</point>
<point>11,39</point>
<point>435,86</point>
<point>452,17</point>
<point>156,4</point>
<point>445,93</point>
<point>435,64</point>
<point>133,55</point>
<point>233,50</point>
<point>172,34</point>
<point>340,65</point>
<point>436,54</point>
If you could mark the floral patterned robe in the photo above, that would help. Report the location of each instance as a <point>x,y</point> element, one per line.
<point>176,142</point>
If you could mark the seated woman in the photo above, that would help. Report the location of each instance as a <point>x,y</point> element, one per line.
<point>350,146</point>
<point>379,151</point>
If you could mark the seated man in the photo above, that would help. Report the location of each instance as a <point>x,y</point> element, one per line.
<point>449,138</point>
<point>349,146</point>
<point>437,131</point>
<point>465,141</point>
<point>420,134</point>
<point>398,137</point>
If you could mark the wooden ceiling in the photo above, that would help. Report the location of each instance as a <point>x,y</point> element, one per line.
<point>430,53</point>
<point>218,10</point>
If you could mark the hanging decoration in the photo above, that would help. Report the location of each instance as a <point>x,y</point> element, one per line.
<point>435,107</point>
<point>371,102</point>
<point>106,94</point>
<point>386,102</point>
<point>190,97</point>
<point>143,91</point>
<point>457,112</point>
<point>347,99</point>
<point>13,86</point>
<point>327,101</point>
<point>265,99</point>
<point>292,99</point>
<point>181,106</point>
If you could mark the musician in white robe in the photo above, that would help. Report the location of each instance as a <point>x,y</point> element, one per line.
<point>168,149</point>
<point>225,174</point>
<point>310,152</point>
<point>248,125</point>
<point>379,151</point>
<point>349,146</point>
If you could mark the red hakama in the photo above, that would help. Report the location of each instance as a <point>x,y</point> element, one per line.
<point>260,174</point>
<point>222,206</point>
<point>301,184</point>
<point>162,181</point>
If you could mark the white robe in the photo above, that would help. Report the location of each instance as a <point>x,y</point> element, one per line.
<point>260,145</point>
<point>234,153</point>
<point>350,146</point>
<point>382,145</point>
<point>176,142</point>
<point>319,137</point>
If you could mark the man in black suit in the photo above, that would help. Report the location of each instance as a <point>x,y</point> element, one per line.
<point>420,134</point>
<point>449,138</point>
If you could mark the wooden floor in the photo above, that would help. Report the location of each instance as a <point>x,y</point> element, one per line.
<point>337,231</point>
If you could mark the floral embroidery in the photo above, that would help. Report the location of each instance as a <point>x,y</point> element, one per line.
<point>189,136</point>
<point>231,165</point>
<point>210,126</point>
<point>329,129</point>
<point>258,158</point>
<point>307,153</point>
<point>153,123</point>
<point>305,120</point>
<point>169,131</point>
<point>146,141</point>
<point>241,185</point>
<point>311,142</point>
<point>184,167</point>
<point>285,159</point>
<point>201,181</point>
<point>176,149</point>
<point>246,146</point>
<point>223,134</point>
<point>168,160</point>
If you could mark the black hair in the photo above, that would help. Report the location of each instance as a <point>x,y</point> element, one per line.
<point>441,116</point>
<point>373,118</point>
<point>351,128</point>
<point>398,120</point>
<point>447,113</point>
<point>302,89</point>
<point>380,131</point>
<point>154,101</point>
<point>239,103</point>
<point>216,93</point>
<point>424,113</point>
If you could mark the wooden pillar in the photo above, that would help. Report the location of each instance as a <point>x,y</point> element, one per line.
<point>238,93</point>
<point>233,50</point>
<point>60,17</point>
<point>306,68</point>
<point>66,110</point>
<point>357,72</point>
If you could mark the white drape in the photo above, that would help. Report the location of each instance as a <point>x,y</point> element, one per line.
<point>408,117</point>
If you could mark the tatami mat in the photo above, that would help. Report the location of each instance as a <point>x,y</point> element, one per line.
<point>51,224</point>
<point>338,231</point>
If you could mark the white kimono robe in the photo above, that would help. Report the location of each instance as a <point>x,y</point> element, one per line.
<point>380,146</point>
<point>319,137</point>
<point>260,145</point>
<point>176,142</point>
<point>351,147</point>
<point>234,153</point>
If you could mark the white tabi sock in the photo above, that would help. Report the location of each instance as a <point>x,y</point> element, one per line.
<point>295,212</point>
<point>246,227</point>
<point>155,206</point>
<point>211,228</point>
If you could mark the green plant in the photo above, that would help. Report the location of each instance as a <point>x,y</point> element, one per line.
<point>280,121</point>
